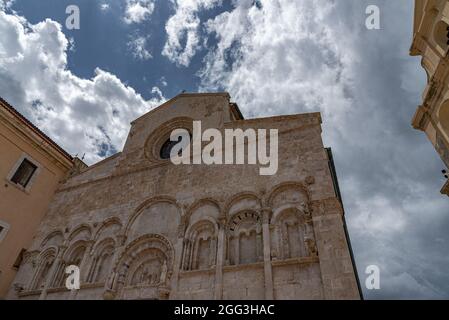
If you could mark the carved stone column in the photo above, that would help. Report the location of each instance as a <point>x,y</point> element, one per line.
<point>186,254</point>
<point>111,280</point>
<point>178,258</point>
<point>85,264</point>
<point>84,267</point>
<point>52,272</point>
<point>220,259</point>
<point>266,216</point>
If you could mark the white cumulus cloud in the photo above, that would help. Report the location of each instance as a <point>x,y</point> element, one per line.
<point>138,10</point>
<point>183,30</point>
<point>89,116</point>
<point>138,47</point>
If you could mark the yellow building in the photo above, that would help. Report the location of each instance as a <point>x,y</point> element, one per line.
<point>430,40</point>
<point>31,167</point>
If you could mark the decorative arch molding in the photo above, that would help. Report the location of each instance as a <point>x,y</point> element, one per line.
<point>106,224</point>
<point>293,235</point>
<point>159,135</point>
<point>439,33</point>
<point>78,230</point>
<point>302,209</point>
<point>45,261</point>
<point>102,254</point>
<point>198,204</point>
<point>139,254</point>
<point>52,235</point>
<point>147,204</point>
<point>200,245</point>
<point>203,220</point>
<point>286,186</point>
<point>102,243</point>
<point>73,247</point>
<point>244,237</point>
<point>50,251</point>
<point>74,255</point>
<point>240,197</point>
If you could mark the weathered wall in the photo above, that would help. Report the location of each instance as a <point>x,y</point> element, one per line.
<point>141,227</point>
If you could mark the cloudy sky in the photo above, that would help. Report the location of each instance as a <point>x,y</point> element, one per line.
<point>83,87</point>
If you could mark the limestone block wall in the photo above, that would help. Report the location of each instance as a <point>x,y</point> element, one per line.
<point>142,228</point>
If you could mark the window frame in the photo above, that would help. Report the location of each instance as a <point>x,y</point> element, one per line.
<point>4,231</point>
<point>16,167</point>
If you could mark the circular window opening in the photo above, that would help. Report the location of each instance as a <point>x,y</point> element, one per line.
<point>168,145</point>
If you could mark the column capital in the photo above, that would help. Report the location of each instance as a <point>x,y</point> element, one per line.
<point>61,249</point>
<point>121,239</point>
<point>181,230</point>
<point>221,221</point>
<point>266,213</point>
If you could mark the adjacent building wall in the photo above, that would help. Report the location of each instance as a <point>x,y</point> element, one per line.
<point>430,36</point>
<point>22,209</point>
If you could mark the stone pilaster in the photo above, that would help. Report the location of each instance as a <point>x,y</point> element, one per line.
<point>266,216</point>
<point>177,267</point>
<point>111,281</point>
<point>219,260</point>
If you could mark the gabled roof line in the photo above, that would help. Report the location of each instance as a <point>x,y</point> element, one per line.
<point>35,129</point>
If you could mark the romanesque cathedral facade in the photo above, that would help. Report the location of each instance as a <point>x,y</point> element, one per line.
<point>140,227</point>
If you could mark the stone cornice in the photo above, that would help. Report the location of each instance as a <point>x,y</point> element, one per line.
<point>23,128</point>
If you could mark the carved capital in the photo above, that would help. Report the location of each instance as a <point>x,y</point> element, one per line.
<point>266,213</point>
<point>311,246</point>
<point>61,249</point>
<point>121,239</point>
<point>222,221</point>
<point>304,207</point>
<point>181,230</point>
<point>310,180</point>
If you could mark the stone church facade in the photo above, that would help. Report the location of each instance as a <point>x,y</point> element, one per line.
<point>140,227</point>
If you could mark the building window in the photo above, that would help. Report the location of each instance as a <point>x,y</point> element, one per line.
<point>4,227</point>
<point>23,174</point>
<point>168,146</point>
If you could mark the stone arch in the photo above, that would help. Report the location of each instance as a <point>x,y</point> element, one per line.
<point>106,225</point>
<point>292,233</point>
<point>82,231</point>
<point>45,262</point>
<point>158,215</point>
<point>74,255</point>
<point>146,261</point>
<point>55,238</point>
<point>198,205</point>
<point>158,136</point>
<point>244,238</point>
<point>103,253</point>
<point>243,200</point>
<point>288,192</point>
<point>440,34</point>
<point>200,245</point>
